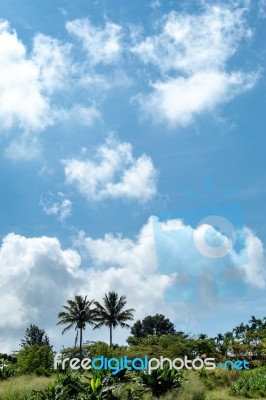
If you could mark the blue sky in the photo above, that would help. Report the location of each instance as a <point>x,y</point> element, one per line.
<point>111,113</point>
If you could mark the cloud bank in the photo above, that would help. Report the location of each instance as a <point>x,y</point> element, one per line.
<point>38,275</point>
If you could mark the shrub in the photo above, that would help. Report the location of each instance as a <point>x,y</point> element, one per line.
<point>160,381</point>
<point>251,384</point>
<point>7,372</point>
<point>35,359</point>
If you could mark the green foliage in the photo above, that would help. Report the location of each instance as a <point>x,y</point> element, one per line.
<point>7,372</point>
<point>35,336</point>
<point>204,346</point>
<point>112,313</point>
<point>72,386</point>
<point>7,358</point>
<point>170,345</point>
<point>20,386</point>
<point>8,366</point>
<point>47,394</point>
<point>97,349</point>
<point>218,378</point>
<point>160,381</point>
<point>38,358</point>
<point>251,384</point>
<point>192,388</point>
<point>94,350</point>
<point>78,313</point>
<point>152,325</point>
<point>177,345</point>
<point>66,387</point>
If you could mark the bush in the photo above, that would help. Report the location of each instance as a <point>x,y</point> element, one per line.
<point>193,387</point>
<point>251,384</point>
<point>160,381</point>
<point>7,372</point>
<point>218,377</point>
<point>72,386</point>
<point>35,359</point>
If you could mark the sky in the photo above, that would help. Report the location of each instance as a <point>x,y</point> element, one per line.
<point>132,160</point>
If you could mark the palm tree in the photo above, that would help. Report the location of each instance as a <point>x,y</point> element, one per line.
<point>78,313</point>
<point>112,313</point>
<point>219,341</point>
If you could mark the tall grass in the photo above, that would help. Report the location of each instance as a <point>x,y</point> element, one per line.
<point>252,384</point>
<point>16,388</point>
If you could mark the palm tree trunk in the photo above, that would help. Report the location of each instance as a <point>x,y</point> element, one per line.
<point>111,335</point>
<point>80,343</point>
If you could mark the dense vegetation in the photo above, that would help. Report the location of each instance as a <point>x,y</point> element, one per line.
<point>154,336</point>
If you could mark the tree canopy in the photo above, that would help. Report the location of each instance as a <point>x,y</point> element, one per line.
<point>152,325</point>
<point>34,336</point>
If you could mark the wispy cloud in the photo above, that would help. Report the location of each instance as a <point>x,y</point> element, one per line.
<point>56,204</point>
<point>262,9</point>
<point>102,45</point>
<point>78,114</point>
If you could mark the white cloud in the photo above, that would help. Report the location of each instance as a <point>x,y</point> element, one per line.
<point>190,43</point>
<point>26,147</point>
<point>22,101</point>
<point>179,100</point>
<point>53,61</point>
<point>191,54</point>
<point>79,114</point>
<point>30,82</point>
<point>56,205</point>
<point>37,276</point>
<point>103,45</point>
<point>114,173</point>
<point>256,266</point>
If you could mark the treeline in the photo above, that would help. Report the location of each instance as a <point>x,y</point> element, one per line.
<point>153,336</point>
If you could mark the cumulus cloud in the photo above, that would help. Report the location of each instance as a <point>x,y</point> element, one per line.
<point>38,275</point>
<point>191,54</point>
<point>103,45</point>
<point>149,265</point>
<point>56,205</point>
<point>113,173</point>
